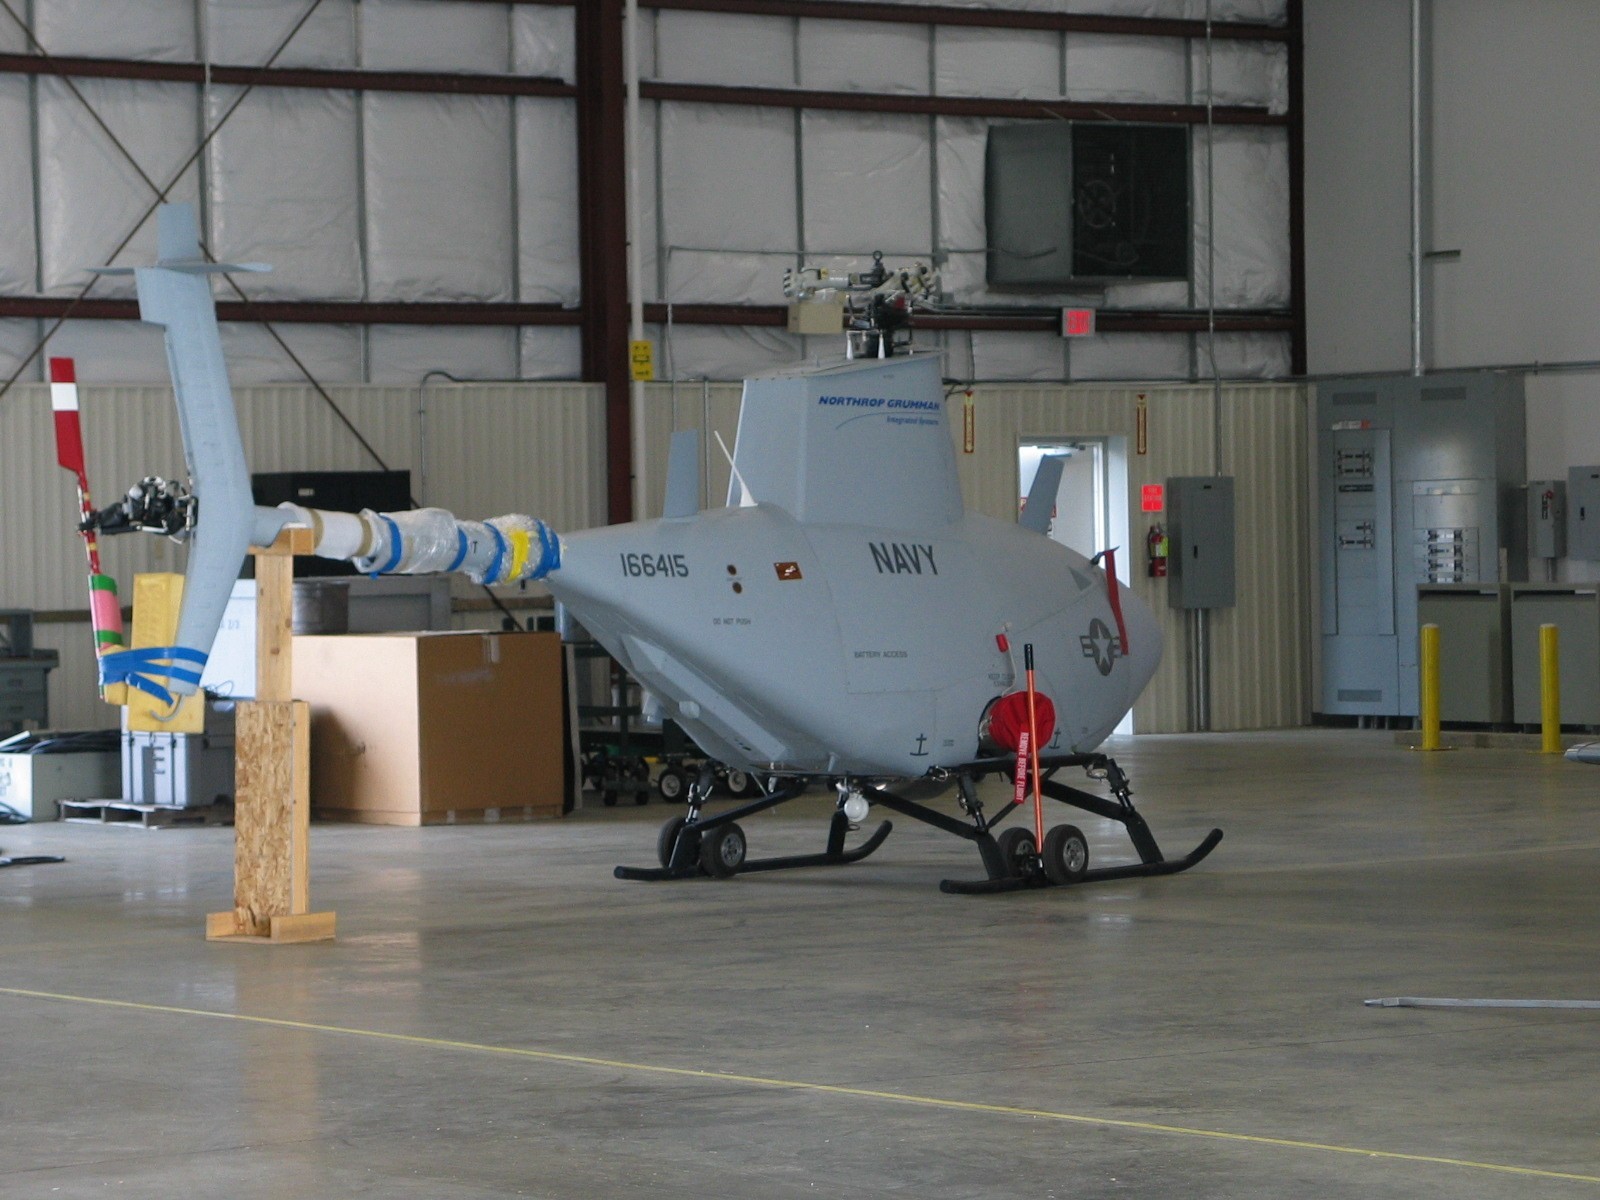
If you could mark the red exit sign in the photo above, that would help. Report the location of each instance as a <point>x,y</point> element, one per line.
<point>1077,322</point>
<point>1152,497</point>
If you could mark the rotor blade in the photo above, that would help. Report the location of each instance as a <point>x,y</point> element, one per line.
<point>64,405</point>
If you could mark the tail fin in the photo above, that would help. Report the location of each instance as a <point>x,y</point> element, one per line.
<point>176,294</point>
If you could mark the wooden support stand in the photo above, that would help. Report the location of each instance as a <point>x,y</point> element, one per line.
<point>272,792</point>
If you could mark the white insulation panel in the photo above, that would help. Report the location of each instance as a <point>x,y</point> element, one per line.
<point>702,213</point>
<point>93,196</point>
<point>405,353</point>
<point>284,182</point>
<point>18,338</point>
<point>147,29</point>
<point>1126,70</point>
<point>112,351</point>
<point>246,33</point>
<point>997,62</point>
<point>1251,199</point>
<point>547,201</point>
<point>732,49</point>
<point>255,356</point>
<point>19,264</point>
<point>550,352</point>
<point>724,352</point>
<point>864,56</point>
<point>429,237</point>
<point>1129,356</point>
<point>424,35</point>
<point>866,186</point>
<point>542,42</point>
<point>1254,73</point>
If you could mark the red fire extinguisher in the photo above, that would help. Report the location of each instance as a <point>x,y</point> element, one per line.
<point>1156,544</point>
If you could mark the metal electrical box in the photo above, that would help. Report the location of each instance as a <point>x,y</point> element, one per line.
<point>1200,524</point>
<point>1474,621</point>
<point>1419,481</point>
<point>1574,609</point>
<point>1547,518</point>
<point>1583,513</point>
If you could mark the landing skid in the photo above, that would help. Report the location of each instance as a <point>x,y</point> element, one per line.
<point>684,839</point>
<point>1042,867</point>
<point>694,845</point>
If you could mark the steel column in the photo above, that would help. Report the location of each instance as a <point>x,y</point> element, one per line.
<point>603,233</point>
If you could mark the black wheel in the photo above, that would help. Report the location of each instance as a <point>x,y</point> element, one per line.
<point>610,783</point>
<point>1066,854</point>
<point>722,851</point>
<point>639,769</point>
<point>1018,849</point>
<point>669,837</point>
<point>673,785</point>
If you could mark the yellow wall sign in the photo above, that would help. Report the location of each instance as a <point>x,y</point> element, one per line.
<point>642,358</point>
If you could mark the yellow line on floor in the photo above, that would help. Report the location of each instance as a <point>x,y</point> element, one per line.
<point>827,1089</point>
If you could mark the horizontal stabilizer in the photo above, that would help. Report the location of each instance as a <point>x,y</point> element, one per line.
<point>178,247</point>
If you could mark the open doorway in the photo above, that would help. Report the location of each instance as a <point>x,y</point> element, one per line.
<point>1091,512</point>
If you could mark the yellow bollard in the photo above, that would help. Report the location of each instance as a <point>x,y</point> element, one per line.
<point>1430,687</point>
<point>1550,688</point>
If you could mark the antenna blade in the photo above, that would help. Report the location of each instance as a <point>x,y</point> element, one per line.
<point>683,475</point>
<point>746,497</point>
<point>1036,513</point>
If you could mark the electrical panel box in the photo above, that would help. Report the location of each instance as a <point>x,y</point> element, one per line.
<point>1547,518</point>
<point>1420,482</point>
<point>1583,513</point>
<point>1200,524</point>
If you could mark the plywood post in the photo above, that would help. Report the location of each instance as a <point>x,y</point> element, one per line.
<point>272,777</point>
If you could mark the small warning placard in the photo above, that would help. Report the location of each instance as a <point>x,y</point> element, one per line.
<point>642,360</point>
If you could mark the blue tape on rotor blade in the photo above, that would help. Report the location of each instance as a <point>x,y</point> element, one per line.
<point>493,573</point>
<point>462,546</point>
<point>130,667</point>
<point>396,548</point>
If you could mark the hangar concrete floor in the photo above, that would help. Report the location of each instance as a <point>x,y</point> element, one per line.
<point>499,1017</point>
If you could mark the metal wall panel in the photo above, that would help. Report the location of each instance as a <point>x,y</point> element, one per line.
<point>491,449</point>
<point>1262,648</point>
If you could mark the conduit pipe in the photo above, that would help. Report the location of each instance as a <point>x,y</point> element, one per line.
<point>630,52</point>
<point>1416,187</point>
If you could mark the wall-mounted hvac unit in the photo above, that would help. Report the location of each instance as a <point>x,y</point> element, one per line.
<point>1070,203</point>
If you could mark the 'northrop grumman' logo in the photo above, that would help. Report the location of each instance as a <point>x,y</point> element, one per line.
<point>1101,645</point>
<point>878,402</point>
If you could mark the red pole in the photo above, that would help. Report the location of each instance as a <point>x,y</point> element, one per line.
<point>1033,753</point>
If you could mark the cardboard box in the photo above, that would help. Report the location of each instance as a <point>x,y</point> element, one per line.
<point>434,728</point>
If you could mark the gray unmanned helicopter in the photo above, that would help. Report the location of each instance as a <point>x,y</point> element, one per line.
<point>843,620</point>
